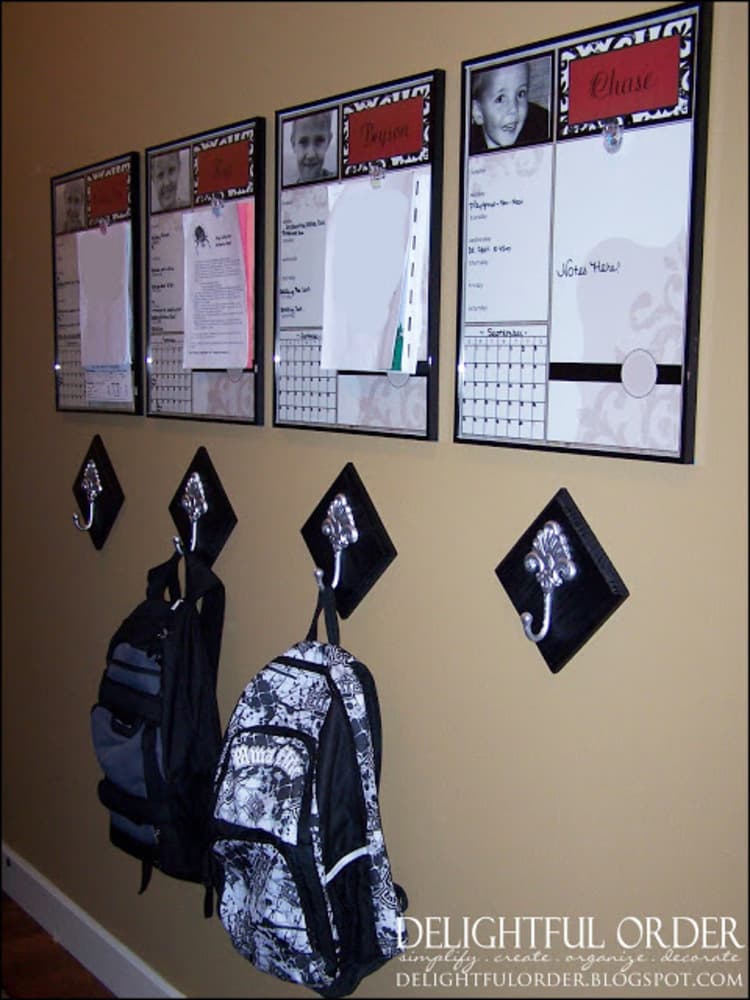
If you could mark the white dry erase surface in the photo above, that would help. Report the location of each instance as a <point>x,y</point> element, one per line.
<point>204,275</point>
<point>374,287</point>
<point>357,257</point>
<point>580,240</point>
<point>95,230</point>
<point>104,295</point>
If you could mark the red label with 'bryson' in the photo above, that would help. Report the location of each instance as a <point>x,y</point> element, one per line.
<point>633,78</point>
<point>390,130</point>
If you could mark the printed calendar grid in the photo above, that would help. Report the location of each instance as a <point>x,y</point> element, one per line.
<point>71,384</point>
<point>170,385</point>
<point>503,391</point>
<point>305,392</point>
<point>71,376</point>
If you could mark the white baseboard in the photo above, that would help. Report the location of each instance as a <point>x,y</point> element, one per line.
<point>100,952</point>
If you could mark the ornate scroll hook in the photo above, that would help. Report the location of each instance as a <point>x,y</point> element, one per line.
<point>92,487</point>
<point>550,558</point>
<point>340,529</point>
<point>194,503</point>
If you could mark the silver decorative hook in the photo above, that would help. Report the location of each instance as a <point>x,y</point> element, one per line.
<point>92,487</point>
<point>340,529</point>
<point>551,560</point>
<point>194,504</point>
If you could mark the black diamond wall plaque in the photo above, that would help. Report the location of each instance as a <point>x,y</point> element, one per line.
<point>214,526</point>
<point>362,562</point>
<point>581,599</point>
<point>108,497</point>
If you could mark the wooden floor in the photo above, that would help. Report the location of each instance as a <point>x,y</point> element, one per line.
<point>35,965</point>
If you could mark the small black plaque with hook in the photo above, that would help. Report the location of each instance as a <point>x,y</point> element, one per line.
<point>347,540</point>
<point>558,576</point>
<point>98,492</point>
<point>201,510</point>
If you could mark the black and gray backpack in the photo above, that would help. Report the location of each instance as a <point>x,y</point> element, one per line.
<point>302,875</point>
<point>155,726</point>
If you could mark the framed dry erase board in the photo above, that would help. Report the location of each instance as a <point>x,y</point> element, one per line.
<point>96,287</point>
<point>582,190</point>
<point>204,246</point>
<point>358,223</point>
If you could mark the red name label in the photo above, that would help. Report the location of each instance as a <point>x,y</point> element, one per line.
<point>224,167</point>
<point>108,195</point>
<point>635,78</point>
<point>390,130</point>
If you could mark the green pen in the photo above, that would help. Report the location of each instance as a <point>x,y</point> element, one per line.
<point>398,348</point>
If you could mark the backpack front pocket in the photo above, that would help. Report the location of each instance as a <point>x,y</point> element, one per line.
<point>265,782</point>
<point>129,753</point>
<point>266,907</point>
<point>271,900</point>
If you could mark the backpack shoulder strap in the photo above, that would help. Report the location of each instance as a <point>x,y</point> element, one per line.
<point>327,604</point>
<point>372,705</point>
<point>164,577</point>
<point>202,584</point>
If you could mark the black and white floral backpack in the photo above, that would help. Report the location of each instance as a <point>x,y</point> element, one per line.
<point>301,869</point>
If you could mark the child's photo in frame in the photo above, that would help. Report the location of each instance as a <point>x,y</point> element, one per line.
<point>170,180</point>
<point>509,105</point>
<point>70,206</point>
<point>310,147</point>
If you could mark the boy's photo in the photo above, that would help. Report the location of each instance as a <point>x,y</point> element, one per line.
<point>170,180</point>
<point>510,105</point>
<point>310,148</point>
<point>70,206</point>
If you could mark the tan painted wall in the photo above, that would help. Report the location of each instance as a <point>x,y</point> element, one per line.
<point>617,787</point>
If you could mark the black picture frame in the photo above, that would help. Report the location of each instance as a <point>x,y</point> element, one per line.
<point>580,247</point>
<point>221,169</point>
<point>97,373</point>
<point>386,137</point>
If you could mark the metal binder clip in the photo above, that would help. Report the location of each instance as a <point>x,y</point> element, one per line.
<point>194,503</point>
<point>376,170</point>
<point>612,133</point>
<point>553,564</point>
<point>217,205</point>
<point>340,529</point>
<point>92,487</point>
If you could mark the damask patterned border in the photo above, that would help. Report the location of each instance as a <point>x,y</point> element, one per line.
<point>683,26</point>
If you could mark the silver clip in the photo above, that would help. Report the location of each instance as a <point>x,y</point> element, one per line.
<point>194,504</point>
<point>551,560</point>
<point>92,487</point>
<point>376,170</point>
<point>612,133</point>
<point>217,205</point>
<point>340,529</point>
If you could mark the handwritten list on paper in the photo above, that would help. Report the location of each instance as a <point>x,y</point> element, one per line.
<point>304,220</point>
<point>167,264</point>
<point>507,237</point>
